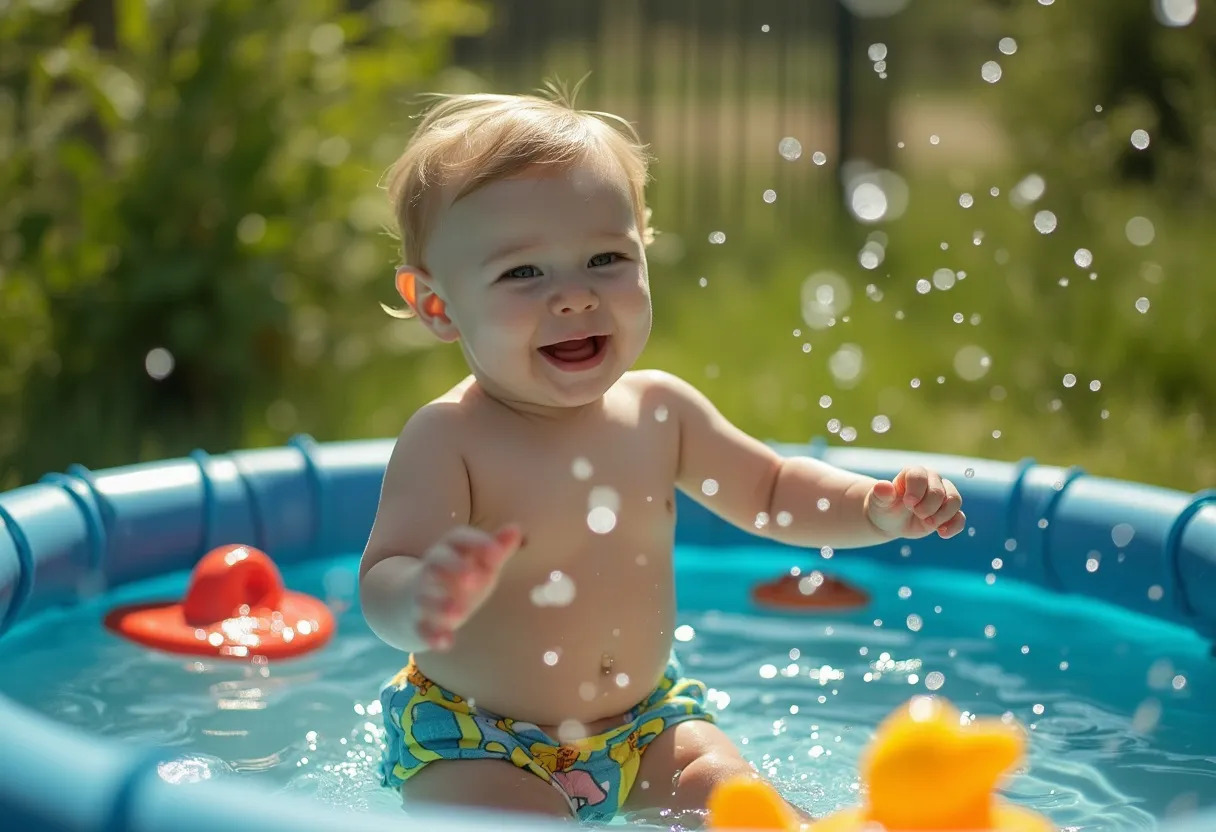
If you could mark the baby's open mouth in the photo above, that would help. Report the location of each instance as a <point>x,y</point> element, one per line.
<point>575,352</point>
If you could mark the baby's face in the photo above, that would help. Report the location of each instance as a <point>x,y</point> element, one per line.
<point>544,277</point>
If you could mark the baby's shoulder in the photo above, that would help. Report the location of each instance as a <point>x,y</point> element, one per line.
<point>445,420</point>
<point>658,386</point>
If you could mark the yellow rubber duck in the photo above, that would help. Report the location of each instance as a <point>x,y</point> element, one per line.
<point>925,771</point>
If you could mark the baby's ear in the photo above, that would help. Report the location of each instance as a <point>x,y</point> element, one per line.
<point>414,286</point>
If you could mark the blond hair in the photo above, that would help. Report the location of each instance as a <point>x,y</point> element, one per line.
<point>474,140</point>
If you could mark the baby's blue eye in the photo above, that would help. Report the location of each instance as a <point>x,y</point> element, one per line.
<point>521,273</point>
<point>605,259</point>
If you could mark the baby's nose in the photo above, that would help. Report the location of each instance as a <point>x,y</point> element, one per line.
<point>574,301</point>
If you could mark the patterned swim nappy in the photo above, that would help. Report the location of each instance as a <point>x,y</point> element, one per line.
<point>425,723</point>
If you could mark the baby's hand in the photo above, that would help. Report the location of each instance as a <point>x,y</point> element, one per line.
<point>917,503</point>
<point>458,573</point>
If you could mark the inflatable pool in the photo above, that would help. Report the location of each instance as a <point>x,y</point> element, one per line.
<point>80,533</point>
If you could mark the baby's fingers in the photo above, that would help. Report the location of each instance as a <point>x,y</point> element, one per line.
<point>953,526</point>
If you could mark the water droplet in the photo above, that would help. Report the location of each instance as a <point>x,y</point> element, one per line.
<point>877,51</point>
<point>1083,257</point>
<point>1095,385</point>
<point>991,72</point>
<point>1029,190</point>
<point>1122,534</point>
<point>966,200</point>
<point>1045,222</point>
<point>1007,46</point>
<point>769,196</point>
<point>880,424</point>
<point>601,520</point>
<point>622,680</point>
<point>846,363</point>
<point>944,279</point>
<point>1069,380</point>
<point>1038,709</point>
<point>717,238</point>
<point>1140,139</point>
<point>923,286</point>
<point>868,202</point>
<point>871,257</point>
<point>823,504</point>
<point>819,157</point>
<point>581,468</point>
<point>1178,682</point>
<point>997,563</point>
<point>957,317</point>
<point>158,363</point>
<point>934,679</point>
<point>1155,593</point>
<point>550,657</point>
<point>557,591</point>
<point>768,671</point>
<point>989,631</point>
<point>834,426</point>
<point>1140,231</point>
<point>709,487</point>
<point>1142,305</point>
<point>971,362</point>
<point>825,401</point>
<point>784,518</point>
<point>684,632</point>
<point>848,434</point>
<point>824,297</point>
<point>789,148</point>
<point>914,623</point>
<point>1175,13</point>
<point>660,413</point>
<point>586,691</point>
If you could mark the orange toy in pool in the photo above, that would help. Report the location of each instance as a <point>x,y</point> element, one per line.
<point>235,607</point>
<point>812,591</point>
<point>925,771</point>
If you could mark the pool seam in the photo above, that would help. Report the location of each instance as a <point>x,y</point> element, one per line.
<point>24,589</point>
<point>118,816</point>
<point>208,510</point>
<point>1173,543</point>
<point>1050,572</point>
<point>305,444</point>
<point>95,524</point>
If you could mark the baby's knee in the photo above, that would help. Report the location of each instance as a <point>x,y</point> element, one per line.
<point>711,768</point>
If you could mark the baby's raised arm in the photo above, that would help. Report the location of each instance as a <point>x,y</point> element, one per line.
<point>796,500</point>
<point>425,570</point>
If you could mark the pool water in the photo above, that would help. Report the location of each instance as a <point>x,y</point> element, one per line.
<point>1122,730</point>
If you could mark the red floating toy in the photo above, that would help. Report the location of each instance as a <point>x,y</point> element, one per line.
<point>810,592</point>
<point>235,607</point>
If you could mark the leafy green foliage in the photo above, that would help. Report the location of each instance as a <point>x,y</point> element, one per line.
<point>200,187</point>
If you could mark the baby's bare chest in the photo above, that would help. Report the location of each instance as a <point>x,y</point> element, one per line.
<point>610,490</point>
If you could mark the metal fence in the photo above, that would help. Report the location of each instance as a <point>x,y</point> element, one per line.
<point>713,86</point>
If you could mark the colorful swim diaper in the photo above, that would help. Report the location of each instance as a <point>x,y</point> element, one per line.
<point>426,723</point>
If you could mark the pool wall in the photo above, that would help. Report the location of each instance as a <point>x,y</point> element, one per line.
<point>82,532</point>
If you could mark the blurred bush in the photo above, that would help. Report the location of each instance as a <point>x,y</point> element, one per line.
<point>186,185</point>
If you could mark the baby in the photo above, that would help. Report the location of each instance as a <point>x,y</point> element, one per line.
<point>522,549</point>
